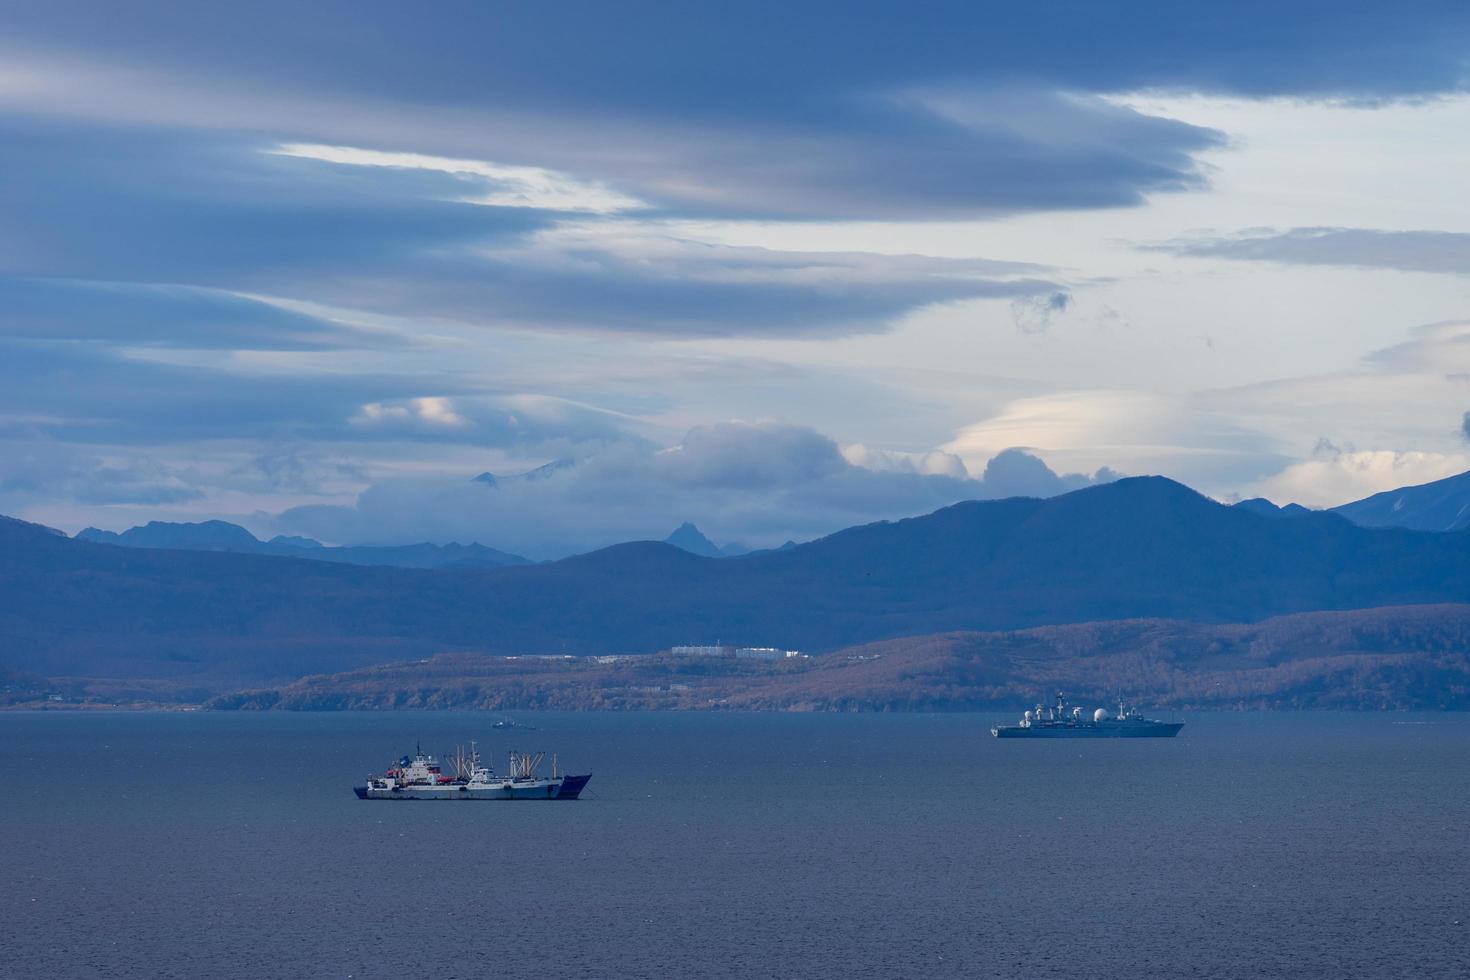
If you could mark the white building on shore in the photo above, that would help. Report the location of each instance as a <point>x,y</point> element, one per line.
<point>740,653</point>
<point>703,651</point>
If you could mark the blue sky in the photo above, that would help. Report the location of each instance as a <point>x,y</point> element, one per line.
<point>771,270</point>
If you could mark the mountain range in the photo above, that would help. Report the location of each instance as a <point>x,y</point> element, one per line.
<point>1138,548</point>
<point>1440,506</point>
<point>226,537</point>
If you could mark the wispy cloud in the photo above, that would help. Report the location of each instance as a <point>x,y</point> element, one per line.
<point>1364,248</point>
<point>499,185</point>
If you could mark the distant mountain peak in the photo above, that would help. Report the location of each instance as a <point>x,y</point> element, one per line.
<point>548,469</point>
<point>1443,505</point>
<point>295,541</point>
<point>198,536</point>
<point>1264,507</point>
<point>529,476</point>
<point>17,526</point>
<point>691,539</point>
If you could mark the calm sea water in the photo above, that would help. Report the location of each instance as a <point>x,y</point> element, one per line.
<point>230,845</point>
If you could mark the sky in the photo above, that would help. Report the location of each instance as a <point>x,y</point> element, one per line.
<point>774,269</point>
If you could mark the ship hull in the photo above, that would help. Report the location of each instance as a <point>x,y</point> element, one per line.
<point>1157,730</point>
<point>571,786</point>
<point>565,788</point>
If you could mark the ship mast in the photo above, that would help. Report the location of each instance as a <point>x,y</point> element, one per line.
<point>523,765</point>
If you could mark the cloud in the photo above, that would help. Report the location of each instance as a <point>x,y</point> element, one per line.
<point>932,463</point>
<point>1343,476</point>
<point>1441,349</point>
<point>149,315</point>
<point>1180,436</point>
<point>499,185</point>
<point>41,472</point>
<point>620,278</point>
<point>824,115</point>
<point>494,420</point>
<point>1034,314</point>
<point>1402,251</point>
<point>212,211</point>
<point>430,411</point>
<point>749,456</point>
<point>298,470</point>
<point>1017,473</point>
<point>892,148</point>
<point>200,211</point>
<point>761,482</point>
<point>139,300</point>
<point>1395,420</point>
<point>506,54</point>
<point>1410,395</point>
<point>191,220</point>
<point>84,394</point>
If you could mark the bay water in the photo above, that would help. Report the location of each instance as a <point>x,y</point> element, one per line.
<point>737,845</point>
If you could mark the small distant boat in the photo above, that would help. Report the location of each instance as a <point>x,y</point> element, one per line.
<point>1057,722</point>
<point>423,778</point>
<point>506,724</point>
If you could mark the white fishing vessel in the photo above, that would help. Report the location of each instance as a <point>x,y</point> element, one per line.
<point>422,777</point>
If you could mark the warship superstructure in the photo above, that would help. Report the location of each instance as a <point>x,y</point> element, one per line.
<point>1058,722</point>
<point>422,777</point>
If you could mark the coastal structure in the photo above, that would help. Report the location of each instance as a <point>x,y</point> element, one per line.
<point>702,650</point>
<point>765,653</point>
<point>739,653</point>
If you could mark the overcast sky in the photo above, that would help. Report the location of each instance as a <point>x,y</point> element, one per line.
<point>314,267</point>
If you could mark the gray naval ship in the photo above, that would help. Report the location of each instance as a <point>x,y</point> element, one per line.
<point>1058,722</point>
<point>423,778</point>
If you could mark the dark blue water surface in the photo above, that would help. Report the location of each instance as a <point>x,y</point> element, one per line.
<point>230,845</point>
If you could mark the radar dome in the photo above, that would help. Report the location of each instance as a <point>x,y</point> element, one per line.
<point>1101,714</point>
<point>1028,715</point>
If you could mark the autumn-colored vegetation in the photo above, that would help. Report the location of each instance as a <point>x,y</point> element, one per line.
<point>1408,657</point>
